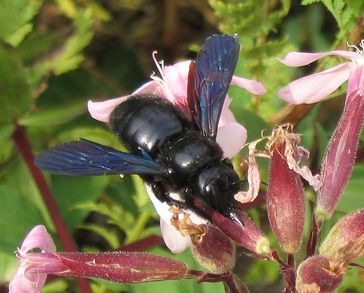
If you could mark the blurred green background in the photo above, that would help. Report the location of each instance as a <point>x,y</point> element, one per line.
<point>56,55</point>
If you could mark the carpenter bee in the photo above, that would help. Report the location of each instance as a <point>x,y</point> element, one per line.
<point>169,151</point>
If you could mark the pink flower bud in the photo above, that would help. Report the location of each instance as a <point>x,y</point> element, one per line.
<point>340,156</point>
<point>285,197</point>
<point>316,275</point>
<point>214,250</point>
<point>345,241</point>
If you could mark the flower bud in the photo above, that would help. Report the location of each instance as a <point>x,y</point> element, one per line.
<point>340,156</point>
<point>345,241</point>
<point>285,196</point>
<point>124,267</point>
<point>315,275</point>
<point>247,234</point>
<point>214,250</point>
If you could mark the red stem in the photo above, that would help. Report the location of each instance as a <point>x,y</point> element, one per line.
<point>313,239</point>
<point>22,143</point>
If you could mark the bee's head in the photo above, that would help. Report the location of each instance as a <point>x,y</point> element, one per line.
<point>216,186</point>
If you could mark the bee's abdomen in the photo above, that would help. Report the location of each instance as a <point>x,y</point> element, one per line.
<point>148,123</point>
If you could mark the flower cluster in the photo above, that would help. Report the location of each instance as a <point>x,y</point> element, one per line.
<point>213,241</point>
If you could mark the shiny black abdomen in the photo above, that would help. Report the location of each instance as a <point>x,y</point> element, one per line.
<point>147,122</point>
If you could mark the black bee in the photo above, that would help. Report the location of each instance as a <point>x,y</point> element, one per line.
<point>170,152</point>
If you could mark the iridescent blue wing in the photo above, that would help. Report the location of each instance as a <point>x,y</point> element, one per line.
<point>209,79</point>
<point>84,157</point>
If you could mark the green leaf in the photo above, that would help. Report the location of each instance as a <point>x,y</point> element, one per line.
<point>352,197</point>
<point>15,17</point>
<point>308,2</point>
<point>6,143</point>
<point>14,89</point>
<point>56,115</point>
<point>17,216</point>
<point>70,55</point>
<point>8,265</point>
<point>72,191</point>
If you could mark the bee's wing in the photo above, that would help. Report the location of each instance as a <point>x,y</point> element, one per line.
<point>209,79</point>
<point>85,157</point>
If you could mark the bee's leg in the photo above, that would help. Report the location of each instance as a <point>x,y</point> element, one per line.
<point>190,204</point>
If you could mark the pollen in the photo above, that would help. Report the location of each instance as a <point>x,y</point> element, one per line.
<point>185,226</point>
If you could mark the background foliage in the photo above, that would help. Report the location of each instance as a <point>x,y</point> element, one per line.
<point>55,55</point>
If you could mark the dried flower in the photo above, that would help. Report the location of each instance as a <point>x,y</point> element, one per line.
<point>285,197</point>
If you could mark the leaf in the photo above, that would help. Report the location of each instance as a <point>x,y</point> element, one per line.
<point>352,197</point>
<point>14,89</point>
<point>17,216</point>
<point>69,56</point>
<point>71,191</point>
<point>6,142</point>
<point>57,115</point>
<point>15,17</point>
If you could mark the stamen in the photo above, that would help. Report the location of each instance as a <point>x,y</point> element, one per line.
<point>361,45</point>
<point>162,80</point>
<point>158,64</point>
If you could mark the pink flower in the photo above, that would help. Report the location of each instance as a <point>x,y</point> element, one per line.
<point>313,88</point>
<point>26,279</point>
<point>118,266</point>
<point>173,86</point>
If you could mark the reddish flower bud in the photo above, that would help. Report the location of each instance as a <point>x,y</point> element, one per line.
<point>285,197</point>
<point>345,241</point>
<point>211,247</point>
<point>246,234</point>
<point>340,156</point>
<point>316,275</point>
<point>124,267</point>
<point>214,250</point>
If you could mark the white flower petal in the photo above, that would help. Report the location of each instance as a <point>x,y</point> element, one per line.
<point>173,238</point>
<point>313,88</point>
<point>251,85</point>
<point>300,58</point>
<point>231,138</point>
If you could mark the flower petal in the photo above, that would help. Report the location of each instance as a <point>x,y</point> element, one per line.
<point>38,237</point>
<point>251,85</point>
<point>176,77</point>
<point>313,88</point>
<point>227,116</point>
<point>231,138</point>
<point>101,110</point>
<point>174,240</point>
<point>356,82</point>
<point>21,284</point>
<point>301,58</point>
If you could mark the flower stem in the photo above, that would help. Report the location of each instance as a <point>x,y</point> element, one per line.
<point>23,145</point>
<point>314,236</point>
